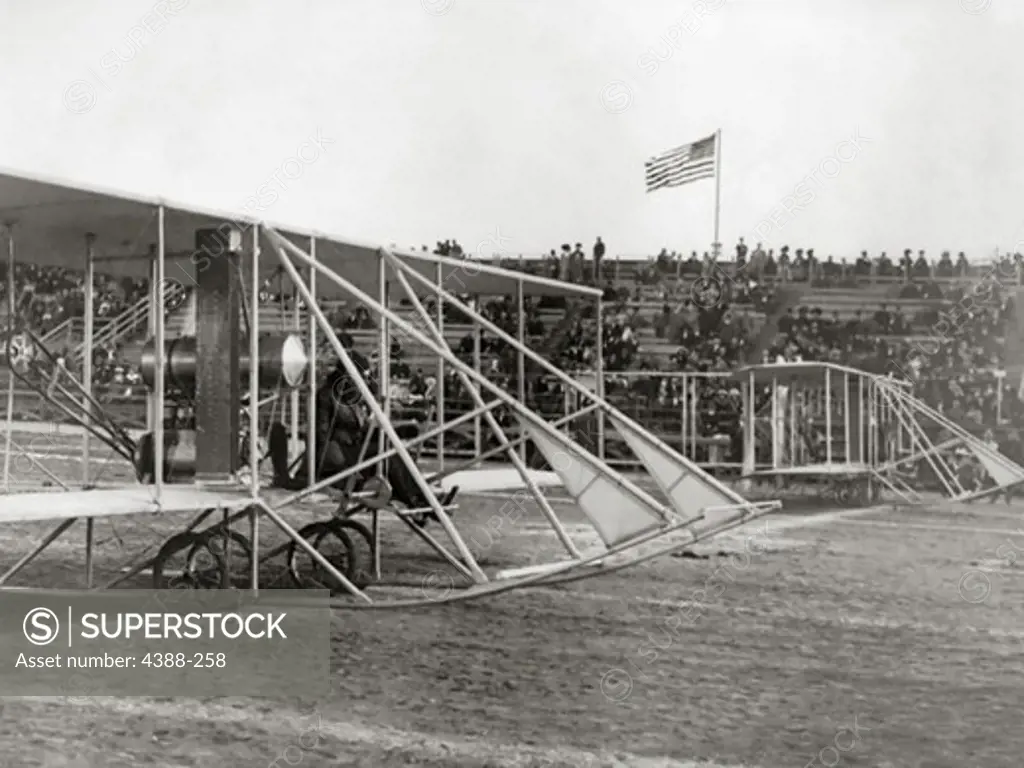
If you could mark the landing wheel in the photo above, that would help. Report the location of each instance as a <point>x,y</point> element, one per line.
<point>194,560</point>
<point>170,567</point>
<point>330,540</point>
<point>842,492</point>
<point>206,559</point>
<point>858,493</point>
<point>872,491</point>
<point>362,539</point>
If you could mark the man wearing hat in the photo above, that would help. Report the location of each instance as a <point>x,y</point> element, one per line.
<point>341,422</point>
<point>342,429</point>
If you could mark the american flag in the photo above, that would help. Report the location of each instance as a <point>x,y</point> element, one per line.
<point>690,162</point>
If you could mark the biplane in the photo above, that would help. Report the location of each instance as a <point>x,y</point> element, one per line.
<point>237,379</point>
<point>859,435</point>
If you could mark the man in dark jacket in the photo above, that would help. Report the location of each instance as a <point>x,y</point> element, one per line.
<point>343,428</point>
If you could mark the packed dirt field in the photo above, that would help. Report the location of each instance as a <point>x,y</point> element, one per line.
<point>861,638</point>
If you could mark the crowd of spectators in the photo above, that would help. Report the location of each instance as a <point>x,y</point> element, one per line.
<point>941,325</point>
<point>802,265</point>
<point>48,296</point>
<point>946,331</point>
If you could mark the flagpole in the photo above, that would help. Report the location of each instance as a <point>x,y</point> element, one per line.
<point>716,246</point>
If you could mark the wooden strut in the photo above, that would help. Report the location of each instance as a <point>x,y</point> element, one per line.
<point>283,244</point>
<point>566,380</point>
<point>371,402</point>
<point>507,446</point>
<point>507,399</point>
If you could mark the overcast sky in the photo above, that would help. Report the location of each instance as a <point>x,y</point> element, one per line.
<point>532,118</point>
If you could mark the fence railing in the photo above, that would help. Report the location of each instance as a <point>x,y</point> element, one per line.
<point>129,321</point>
<point>61,330</point>
<point>696,413</point>
<point>699,414</point>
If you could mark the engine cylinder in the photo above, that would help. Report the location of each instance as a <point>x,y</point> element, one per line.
<point>282,361</point>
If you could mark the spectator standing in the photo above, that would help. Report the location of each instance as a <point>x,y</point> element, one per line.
<point>577,263</point>
<point>554,268</point>
<point>598,258</point>
<point>757,260</point>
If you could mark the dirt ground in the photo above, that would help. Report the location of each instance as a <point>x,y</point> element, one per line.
<point>881,638</point>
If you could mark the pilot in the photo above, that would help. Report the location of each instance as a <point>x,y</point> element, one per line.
<point>343,422</point>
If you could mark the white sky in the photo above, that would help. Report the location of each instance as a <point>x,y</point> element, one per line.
<point>478,117</point>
